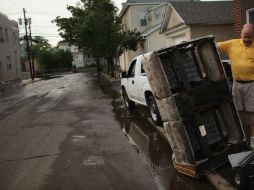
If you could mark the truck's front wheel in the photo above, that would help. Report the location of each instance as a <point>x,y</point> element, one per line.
<point>154,112</point>
<point>240,178</point>
<point>127,102</point>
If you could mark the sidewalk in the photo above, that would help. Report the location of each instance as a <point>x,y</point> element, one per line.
<point>17,82</point>
<point>9,86</point>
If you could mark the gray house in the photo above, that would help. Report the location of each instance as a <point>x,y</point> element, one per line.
<point>9,49</point>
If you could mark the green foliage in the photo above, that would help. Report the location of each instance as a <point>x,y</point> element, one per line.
<point>95,27</point>
<point>48,57</point>
<point>62,59</point>
<point>45,59</point>
<point>39,44</point>
<point>54,59</point>
<point>129,40</point>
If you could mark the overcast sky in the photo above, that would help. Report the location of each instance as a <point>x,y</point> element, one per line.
<point>42,12</point>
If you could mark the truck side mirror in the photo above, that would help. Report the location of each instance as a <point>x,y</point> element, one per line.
<point>124,75</point>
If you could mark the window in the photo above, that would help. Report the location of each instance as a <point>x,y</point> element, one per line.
<point>143,19</point>
<point>142,69</point>
<point>157,14</point>
<point>6,35</point>
<point>1,35</point>
<point>250,16</point>
<point>14,38</point>
<point>131,72</point>
<point>8,63</point>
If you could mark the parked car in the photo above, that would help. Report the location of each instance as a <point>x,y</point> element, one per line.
<point>136,89</point>
<point>243,168</point>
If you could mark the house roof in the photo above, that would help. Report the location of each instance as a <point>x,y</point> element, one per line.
<point>205,12</point>
<point>150,30</point>
<point>145,2</point>
<point>152,1</point>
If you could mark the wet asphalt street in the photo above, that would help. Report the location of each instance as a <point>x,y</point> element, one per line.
<point>72,132</point>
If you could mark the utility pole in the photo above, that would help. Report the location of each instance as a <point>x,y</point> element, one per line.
<point>27,46</point>
<point>31,45</point>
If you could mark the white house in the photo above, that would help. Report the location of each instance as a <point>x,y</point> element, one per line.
<point>80,58</point>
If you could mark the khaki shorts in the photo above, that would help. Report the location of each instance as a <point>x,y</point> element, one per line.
<point>243,95</point>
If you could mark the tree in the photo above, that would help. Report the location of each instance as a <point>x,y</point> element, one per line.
<point>62,59</point>
<point>95,28</point>
<point>48,57</point>
<point>40,43</point>
<point>44,58</point>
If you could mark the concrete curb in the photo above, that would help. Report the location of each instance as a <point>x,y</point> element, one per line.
<point>28,81</point>
<point>219,182</point>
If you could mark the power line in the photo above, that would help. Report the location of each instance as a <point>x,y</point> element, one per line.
<point>50,36</point>
<point>46,35</point>
<point>37,12</point>
<point>14,13</point>
<point>42,34</point>
<point>43,26</point>
<point>46,12</point>
<point>14,4</point>
<point>41,21</point>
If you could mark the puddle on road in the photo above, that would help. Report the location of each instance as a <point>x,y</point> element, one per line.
<point>149,143</point>
<point>50,76</point>
<point>115,178</point>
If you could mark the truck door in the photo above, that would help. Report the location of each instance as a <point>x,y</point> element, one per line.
<point>142,81</point>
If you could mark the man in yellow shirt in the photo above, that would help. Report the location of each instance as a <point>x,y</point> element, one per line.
<point>241,54</point>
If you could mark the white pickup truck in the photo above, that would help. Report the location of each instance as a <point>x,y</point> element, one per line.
<point>136,89</point>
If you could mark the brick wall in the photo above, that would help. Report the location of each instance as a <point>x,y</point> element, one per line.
<point>239,17</point>
<point>240,7</point>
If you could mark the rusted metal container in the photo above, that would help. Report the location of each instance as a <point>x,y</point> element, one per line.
<point>199,115</point>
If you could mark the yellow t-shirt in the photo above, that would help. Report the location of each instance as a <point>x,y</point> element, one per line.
<point>242,58</point>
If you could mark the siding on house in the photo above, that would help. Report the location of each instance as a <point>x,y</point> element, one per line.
<point>204,30</point>
<point>178,21</point>
<point>9,49</point>
<point>131,20</point>
<point>156,41</point>
<point>186,21</point>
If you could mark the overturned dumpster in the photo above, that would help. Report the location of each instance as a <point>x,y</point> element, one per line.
<point>196,105</point>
